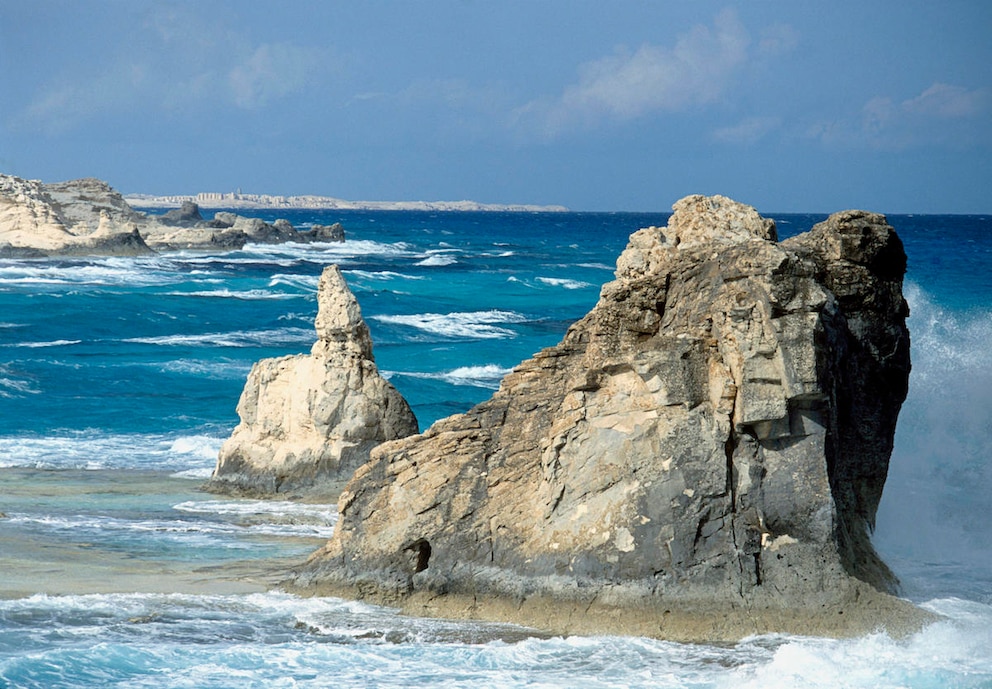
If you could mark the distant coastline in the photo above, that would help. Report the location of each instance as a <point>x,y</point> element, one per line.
<point>239,200</point>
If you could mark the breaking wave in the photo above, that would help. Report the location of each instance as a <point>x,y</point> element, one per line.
<point>473,324</point>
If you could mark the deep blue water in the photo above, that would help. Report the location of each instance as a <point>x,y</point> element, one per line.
<point>119,379</point>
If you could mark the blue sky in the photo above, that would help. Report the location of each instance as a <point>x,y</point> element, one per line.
<point>607,105</point>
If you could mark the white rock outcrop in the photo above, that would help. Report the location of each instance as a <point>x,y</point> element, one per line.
<point>308,421</point>
<point>89,217</point>
<point>38,220</point>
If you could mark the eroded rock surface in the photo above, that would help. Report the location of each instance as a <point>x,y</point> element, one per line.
<point>701,457</point>
<point>89,217</point>
<point>308,421</point>
<point>81,217</point>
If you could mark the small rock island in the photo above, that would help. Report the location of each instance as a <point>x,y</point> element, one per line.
<point>700,458</point>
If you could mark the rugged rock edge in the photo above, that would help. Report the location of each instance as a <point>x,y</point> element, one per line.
<point>309,421</point>
<point>87,217</point>
<point>700,458</point>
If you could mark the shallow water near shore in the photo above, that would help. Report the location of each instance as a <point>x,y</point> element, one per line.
<point>118,382</point>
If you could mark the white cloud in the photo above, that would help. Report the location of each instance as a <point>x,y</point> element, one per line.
<point>941,114</point>
<point>272,71</point>
<point>173,64</point>
<point>947,101</point>
<point>695,71</point>
<point>748,131</point>
<point>778,39</point>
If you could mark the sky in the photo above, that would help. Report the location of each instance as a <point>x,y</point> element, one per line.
<point>605,105</point>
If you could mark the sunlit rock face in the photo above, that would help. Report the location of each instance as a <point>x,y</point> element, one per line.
<point>714,435</point>
<point>82,217</point>
<point>308,421</point>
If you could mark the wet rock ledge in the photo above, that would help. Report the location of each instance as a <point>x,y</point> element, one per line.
<point>700,458</point>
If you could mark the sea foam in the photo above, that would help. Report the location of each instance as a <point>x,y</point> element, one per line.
<point>473,324</point>
<point>487,376</point>
<point>96,450</point>
<point>246,338</point>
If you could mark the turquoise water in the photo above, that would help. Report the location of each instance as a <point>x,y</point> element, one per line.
<point>119,379</point>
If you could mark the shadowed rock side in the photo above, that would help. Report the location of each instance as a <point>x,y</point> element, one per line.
<point>308,421</point>
<point>89,217</point>
<point>700,458</point>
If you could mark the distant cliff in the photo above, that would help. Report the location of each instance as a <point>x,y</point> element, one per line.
<point>700,458</point>
<point>239,200</point>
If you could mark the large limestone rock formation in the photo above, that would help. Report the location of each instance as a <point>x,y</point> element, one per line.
<point>701,457</point>
<point>308,421</point>
<point>82,217</point>
<point>89,217</point>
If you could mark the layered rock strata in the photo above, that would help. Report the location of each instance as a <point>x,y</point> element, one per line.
<point>89,217</point>
<point>700,458</point>
<point>308,421</point>
<point>66,219</point>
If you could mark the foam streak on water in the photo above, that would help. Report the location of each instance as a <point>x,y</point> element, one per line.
<point>275,639</point>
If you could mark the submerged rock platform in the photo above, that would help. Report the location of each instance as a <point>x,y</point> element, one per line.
<point>700,458</point>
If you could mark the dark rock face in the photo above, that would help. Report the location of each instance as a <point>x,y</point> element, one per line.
<point>712,437</point>
<point>325,233</point>
<point>187,215</point>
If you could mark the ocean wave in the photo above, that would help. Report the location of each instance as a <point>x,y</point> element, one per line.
<point>472,324</point>
<point>94,271</point>
<point>305,283</point>
<point>253,255</point>
<point>249,338</point>
<point>205,368</point>
<point>198,474</point>
<point>320,519</point>
<point>564,282</point>
<point>94,450</point>
<point>244,295</point>
<point>437,259</point>
<point>189,533</point>
<point>41,345</point>
<point>330,252</point>
<point>942,654</point>
<point>487,376</point>
<point>939,474</point>
<point>382,275</point>
<point>276,639</point>
<point>944,340</point>
<point>197,446</point>
<point>12,386</point>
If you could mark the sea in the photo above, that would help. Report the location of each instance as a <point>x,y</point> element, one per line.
<point>119,379</point>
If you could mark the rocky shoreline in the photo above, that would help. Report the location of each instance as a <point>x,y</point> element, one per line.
<point>87,217</point>
<point>699,459</point>
<point>858,610</point>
